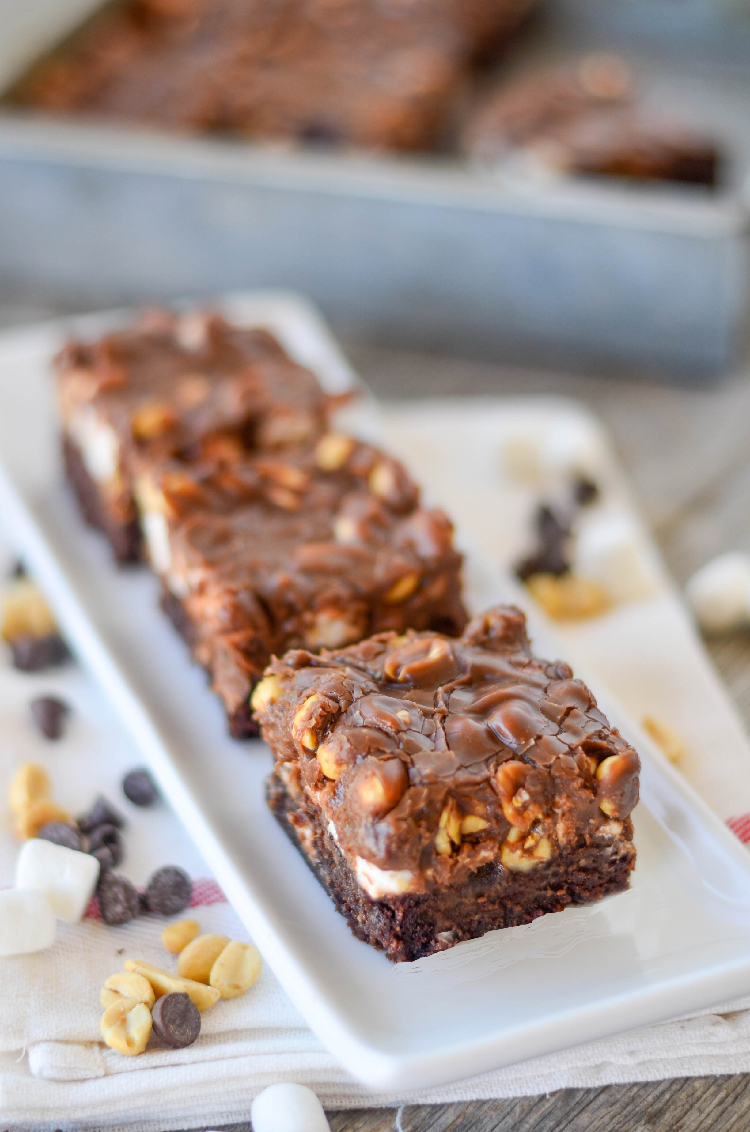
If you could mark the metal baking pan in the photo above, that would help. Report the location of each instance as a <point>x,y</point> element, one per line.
<point>419,252</point>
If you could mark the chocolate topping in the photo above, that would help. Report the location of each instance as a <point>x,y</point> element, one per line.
<point>497,740</point>
<point>264,553</point>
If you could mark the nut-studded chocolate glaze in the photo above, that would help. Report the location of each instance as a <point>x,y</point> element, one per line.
<point>431,759</point>
<point>586,120</point>
<point>314,546</point>
<point>172,386</point>
<point>362,72</point>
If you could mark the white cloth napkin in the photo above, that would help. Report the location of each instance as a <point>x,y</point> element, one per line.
<point>55,1073</point>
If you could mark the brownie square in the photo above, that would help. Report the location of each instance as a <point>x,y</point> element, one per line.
<point>312,547</point>
<point>587,120</point>
<point>173,385</point>
<point>441,788</point>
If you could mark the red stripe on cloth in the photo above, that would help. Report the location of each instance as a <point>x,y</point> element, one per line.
<point>205,891</point>
<point>740,826</point>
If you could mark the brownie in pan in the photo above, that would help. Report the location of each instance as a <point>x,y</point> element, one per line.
<point>587,120</point>
<point>440,788</point>
<point>167,386</point>
<point>312,547</point>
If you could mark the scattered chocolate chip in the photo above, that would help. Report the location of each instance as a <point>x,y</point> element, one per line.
<point>105,857</point>
<point>33,654</point>
<point>49,714</point>
<point>585,491</point>
<point>550,525</point>
<point>62,833</point>
<point>101,813</point>
<point>118,899</point>
<point>550,555</point>
<point>143,903</point>
<point>169,890</point>
<point>17,570</point>
<point>139,787</point>
<point>107,837</point>
<point>177,1020</point>
<point>120,951</point>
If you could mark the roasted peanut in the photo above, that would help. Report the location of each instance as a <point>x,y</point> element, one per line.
<point>25,612</point>
<point>126,984</point>
<point>236,969</point>
<point>152,420</point>
<point>329,760</point>
<point>402,589</point>
<point>266,693</point>
<point>472,823</point>
<point>510,779</point>
<point>38,814</point>
<point>164,982</point>
<point>665,736</point>
<point>198,958</point>
<point>311,719</point>
<point>177,936</point>
<point>448,836</point>
<point>617,784</point>
<point>126,1026</point>
<point>380,785</point>
<point>333,450</point>
<point>520,854</point>
<point>29,784</point>
<point>568,597</point>
<point>423,660</point>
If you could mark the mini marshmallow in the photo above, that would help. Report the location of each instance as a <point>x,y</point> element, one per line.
<point>609,550</point>
<point>563,449</point>
<point>288,1108</point>
<point>66,877</point>
<point>572,446</point>
<point>719,593</point>
<point>27,922</point>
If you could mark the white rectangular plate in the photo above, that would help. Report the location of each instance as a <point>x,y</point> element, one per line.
<point>678,941</point>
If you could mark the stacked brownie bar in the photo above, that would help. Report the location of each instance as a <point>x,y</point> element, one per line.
<point>177,387</point>
<point>267,529</point>
<point>440,788</point>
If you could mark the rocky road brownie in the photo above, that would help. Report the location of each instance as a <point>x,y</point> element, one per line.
<point>441,788</point>
<point>173,385</point>
<point>585,120</point>
<point>313,547</point>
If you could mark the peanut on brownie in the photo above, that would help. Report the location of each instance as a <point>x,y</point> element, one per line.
<point>315,546</point>
<point>442,788</point>
<point>173,386</point>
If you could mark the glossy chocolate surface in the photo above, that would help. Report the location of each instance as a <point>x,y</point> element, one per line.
<point>434,758</point>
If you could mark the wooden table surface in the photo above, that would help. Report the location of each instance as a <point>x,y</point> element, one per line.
<point>687,451</point>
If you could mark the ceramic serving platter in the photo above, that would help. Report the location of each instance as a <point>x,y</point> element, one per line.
<point>678,941</point>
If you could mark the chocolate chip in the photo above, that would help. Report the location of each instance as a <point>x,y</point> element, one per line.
<point>550,556</point>
<point>49,714</point>
<point>107,837</point>
<point>32,654</point>
<point>169,890</point>
<point>139,787</point>
<point>101,813</point>
<point>105,858</point>
<point>118,899</point>
<point>585,491</point>
<point>17,570</point>
<point>177,1020</point>
<point>62,833</point>
<point>143,903</point>
<point>551,526</point>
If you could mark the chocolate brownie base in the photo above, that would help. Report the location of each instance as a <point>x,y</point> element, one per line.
<point>240,722</point>
<point>412,926</point>
<point>124,538</point>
